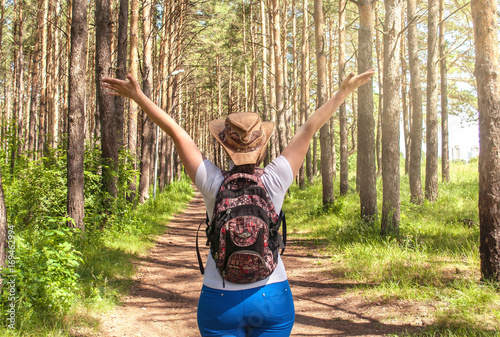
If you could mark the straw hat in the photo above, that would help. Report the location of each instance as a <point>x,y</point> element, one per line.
<point>243,135</point>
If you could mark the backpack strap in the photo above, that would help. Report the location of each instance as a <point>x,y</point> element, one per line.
<point>230,177</point>
<point>282,220</point>
<point>200,262</point>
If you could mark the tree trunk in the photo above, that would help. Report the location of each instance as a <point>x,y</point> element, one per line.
<point>390,117</point>
<point>170,93</point>
<point>366,123</point>
<point>111,135</point>
<point>279,88</point>
<point>42,114</point>
<point>330,93</point>
<point>286,90</point>
<point>274,140</point>
<point>56,61</point>
<point>380,66</point>
<point>217,147</point>
<point>163,73</point>
<point>76,112</point>
<point>324,138</point>
<point>265,108</point>
<point>295,72</point>
<point>3,113</point>
<point>133,108</point>
<point>121,58</point>
<point>51,111</point>
<point>254,106</point>
<point>344,137</point>
<point>147,136</point>
<point>405,108</point>
<point>314,165</point>
<point>3,227</point>
<point>416,194</point>
<point>445,154</point>
<point>431,163</point>
<point>35,80</point>
<point>304,90</point>
<point>484,15</point>
<point>17,113</point>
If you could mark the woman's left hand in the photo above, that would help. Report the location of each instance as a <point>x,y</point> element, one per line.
<point>352,82</point>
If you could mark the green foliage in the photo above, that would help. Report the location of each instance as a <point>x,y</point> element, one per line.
<point>434,258</point>
<point>59,269</point>
<point>45,272</point>
<point>36,191</point>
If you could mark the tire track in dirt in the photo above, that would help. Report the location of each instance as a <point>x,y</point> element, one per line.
<point>163,299</point>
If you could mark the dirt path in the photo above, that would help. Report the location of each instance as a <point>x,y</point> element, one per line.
<point>164,297</point>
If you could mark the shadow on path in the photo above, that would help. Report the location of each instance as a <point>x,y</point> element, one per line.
<point>163,299</point>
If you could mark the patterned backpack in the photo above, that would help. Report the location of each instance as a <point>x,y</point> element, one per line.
<point>243,234</point>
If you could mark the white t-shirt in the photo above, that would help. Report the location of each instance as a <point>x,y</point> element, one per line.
<point>277,177</point>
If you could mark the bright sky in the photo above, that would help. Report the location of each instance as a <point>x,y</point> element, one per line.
<point>464,136</point>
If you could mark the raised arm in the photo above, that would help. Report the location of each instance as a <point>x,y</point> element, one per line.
<point>296,150</point>
<point>188,151</point>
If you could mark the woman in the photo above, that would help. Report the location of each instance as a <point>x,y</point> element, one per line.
<point>263,308</point>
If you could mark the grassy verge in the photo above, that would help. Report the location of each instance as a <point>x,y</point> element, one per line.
<point>107,269</point>
<point>434,260</point>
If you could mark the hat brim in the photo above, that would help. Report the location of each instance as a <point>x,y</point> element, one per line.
<point>242,158</point>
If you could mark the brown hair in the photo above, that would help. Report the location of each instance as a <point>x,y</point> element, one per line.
<point>247,168</point>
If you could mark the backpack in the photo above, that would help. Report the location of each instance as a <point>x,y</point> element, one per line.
<point>243,234</point>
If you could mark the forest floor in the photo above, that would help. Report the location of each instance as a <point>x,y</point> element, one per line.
<point>164,296</point>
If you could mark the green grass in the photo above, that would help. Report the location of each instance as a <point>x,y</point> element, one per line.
<point>107,272</point>
<point>435,258</point>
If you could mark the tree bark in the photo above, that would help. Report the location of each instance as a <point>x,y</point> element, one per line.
<point>324,132</point>
<point>314,159</point>
<point>344,137</point>
<point>431,163</point>
<point>404,98</point>
<point>445,153</point>
<point>35,80</point>
<point>163,73</point>
<point>17,112</point>
<point>253,72</point>
<point>416,194</point>
<point>484,15</point>
<point>3,226</point>
<point>274,140</point>
<point>170,92</point>
<point>366,164</point>
<point>3,113</point>
<point>295,71</point>
<point>133,108</point>
<point>111,136</point>
<point>147,136</point>
<point>121,58</point>
<point>390,126</point>
<point>304,90</point>
<point>42,114</point>
<point>50,92</point>
<point>380,66</point>
<point>286,90</point>
<point>279,80</point>
<point>265,108</point>
<point>76,112</point>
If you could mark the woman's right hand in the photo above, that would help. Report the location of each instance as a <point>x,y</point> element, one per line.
<point>127,88</point>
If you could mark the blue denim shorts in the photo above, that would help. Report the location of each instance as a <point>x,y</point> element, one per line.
<point>263,311</point>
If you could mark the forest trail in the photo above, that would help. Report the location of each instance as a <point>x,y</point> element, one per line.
<point>164,296</point>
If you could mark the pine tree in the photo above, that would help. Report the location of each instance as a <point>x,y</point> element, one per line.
<point>484,15</point>
<point>76,112</point>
